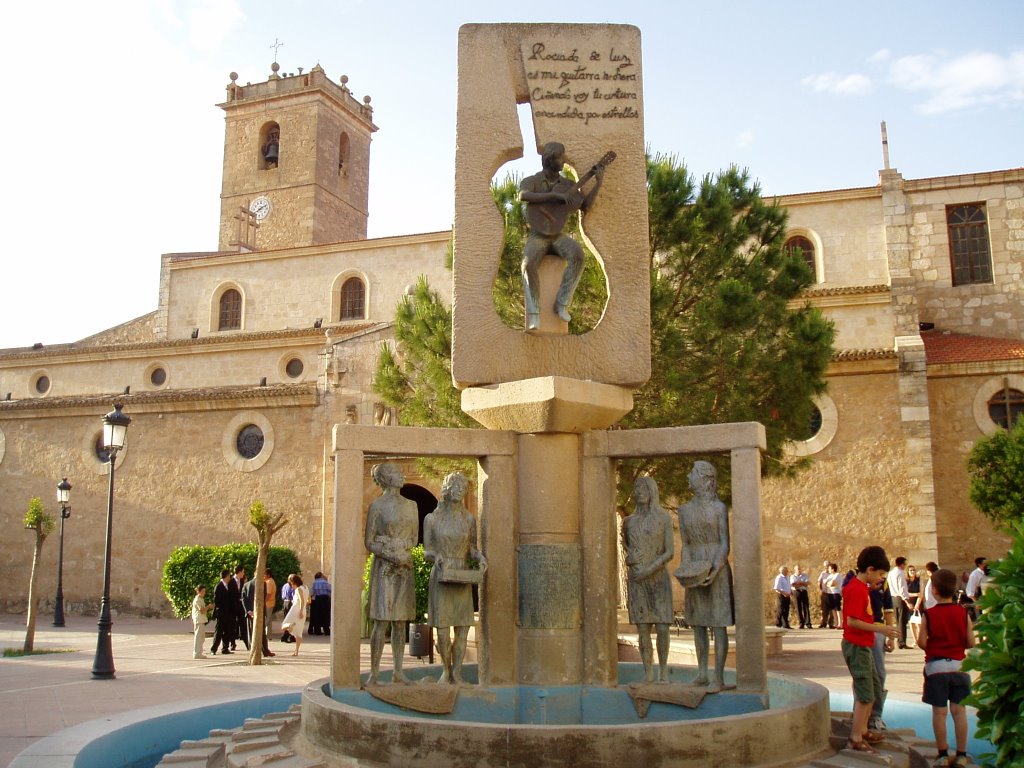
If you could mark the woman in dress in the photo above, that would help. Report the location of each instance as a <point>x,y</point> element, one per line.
<point>449,541</point>
<point>647,541</point>
<point>295,622</point>
<point>392,529</point>
<point>704,529</point>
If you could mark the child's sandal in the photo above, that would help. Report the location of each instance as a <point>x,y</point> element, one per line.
<point>861,746</point>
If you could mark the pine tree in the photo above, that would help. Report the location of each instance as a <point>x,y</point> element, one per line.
<point>730,340</point>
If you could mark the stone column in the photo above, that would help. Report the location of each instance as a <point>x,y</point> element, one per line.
<point>549,647</point>
<point>751,658</point>
<point>496,642</point>
<point>600,562</point>
<point>349,556</point>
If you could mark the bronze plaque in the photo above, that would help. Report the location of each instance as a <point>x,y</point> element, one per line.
<point>549,586</point>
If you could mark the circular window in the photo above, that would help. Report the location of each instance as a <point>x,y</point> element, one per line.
<point>41,384</point>
<point>158,377</point>
<point>96,455</point>
<point>821,428</point>
<point>1006,406</point>
<point>249,441</point>
<point>998,402</point>
<point>102,454</point>
<point>813,424</point>
<point>294,368</point>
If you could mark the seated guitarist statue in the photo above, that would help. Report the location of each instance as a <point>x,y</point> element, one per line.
<point>550,199</point>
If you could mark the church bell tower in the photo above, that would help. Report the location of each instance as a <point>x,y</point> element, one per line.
<point>297,158</point>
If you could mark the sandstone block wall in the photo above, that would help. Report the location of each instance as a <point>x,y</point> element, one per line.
<point>173,488</point>
<point>291,289</point>
<point>993,309</point>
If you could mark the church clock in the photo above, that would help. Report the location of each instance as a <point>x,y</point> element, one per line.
<point>261,207</point>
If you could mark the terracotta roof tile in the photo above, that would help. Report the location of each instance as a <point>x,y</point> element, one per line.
<point>949,347</point>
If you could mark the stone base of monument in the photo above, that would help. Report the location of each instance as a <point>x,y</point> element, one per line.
<point>577,726</point>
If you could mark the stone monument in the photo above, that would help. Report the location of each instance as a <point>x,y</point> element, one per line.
<point>547,633</point>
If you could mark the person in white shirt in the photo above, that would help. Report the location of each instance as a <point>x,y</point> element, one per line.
<point>927,599</point>
<point>199,619</point>
<point>826,609</point>
<point>977,577</point>
<point>800,582</point>
<point>974,584</point>
<point>783,590</point>
<point>897,581</point>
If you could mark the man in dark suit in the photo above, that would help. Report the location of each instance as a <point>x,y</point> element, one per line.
<point>241,623</point>
<point>249,604</point>
<point>224,613</point>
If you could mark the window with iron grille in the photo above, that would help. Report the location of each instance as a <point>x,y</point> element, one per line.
<point>969,254</point>
<point>1006,406</point>
<point>806,248</point>
<point>230,310</point>
<point>353,299</point>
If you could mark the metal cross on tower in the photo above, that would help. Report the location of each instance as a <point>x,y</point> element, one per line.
<point>275,45</point>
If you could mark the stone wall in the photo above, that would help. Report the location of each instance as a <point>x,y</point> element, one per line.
<point>992,309</point>
<point>963,532</point>
<point>292,289</point>
<point>174,487</point>
<point>856,493</point>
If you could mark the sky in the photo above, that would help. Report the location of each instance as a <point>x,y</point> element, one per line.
<point>114,142</point>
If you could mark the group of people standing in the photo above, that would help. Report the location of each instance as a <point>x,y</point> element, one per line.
<point>234,611</point>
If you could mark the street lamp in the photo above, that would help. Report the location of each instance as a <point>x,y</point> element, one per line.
<point>115,428</point>
<point>64,499</point>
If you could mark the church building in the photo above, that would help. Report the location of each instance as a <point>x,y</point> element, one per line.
<point>257,349</point>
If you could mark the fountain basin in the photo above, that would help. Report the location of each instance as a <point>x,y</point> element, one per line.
<point>581,726</point>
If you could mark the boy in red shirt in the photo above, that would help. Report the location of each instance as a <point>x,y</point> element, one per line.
<point>945,635</point>
<point>859,630</point>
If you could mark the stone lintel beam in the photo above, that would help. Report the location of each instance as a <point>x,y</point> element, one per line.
<point>548,404</point>
<point>670,441</point>
<point>423,441</point>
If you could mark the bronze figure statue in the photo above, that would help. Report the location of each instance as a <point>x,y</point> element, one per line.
<point>551,198</point>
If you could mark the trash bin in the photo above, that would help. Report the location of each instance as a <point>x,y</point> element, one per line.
<point>421,640</point>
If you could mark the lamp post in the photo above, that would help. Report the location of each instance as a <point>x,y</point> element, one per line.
<point>64,499</point>
<point>115,428</point>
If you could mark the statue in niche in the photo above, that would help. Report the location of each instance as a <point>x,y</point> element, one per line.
<point>648,542</point>
<point>392,528</point>
<point>550,199</point>
<point>704,571</point>
<point>450,542</point>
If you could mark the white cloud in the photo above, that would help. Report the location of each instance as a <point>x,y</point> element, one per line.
<point>959,82</point>
<point>832,82</point>
<point>880,56</point>
<point>745,139</point>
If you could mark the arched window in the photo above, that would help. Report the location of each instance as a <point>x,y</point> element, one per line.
<point>230,311</point>
<point>269,149</point>
<point>353,299</point>
<point>806,248</point>
<point>969,253</point>
<point>1006,406</point>
<point>343,146</point>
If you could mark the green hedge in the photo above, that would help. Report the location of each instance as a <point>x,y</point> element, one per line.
<point>188,566</point>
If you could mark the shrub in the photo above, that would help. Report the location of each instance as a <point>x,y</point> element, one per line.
<point>188,566</point>
<point>996,465</point>
<point>421,568</point>
<point>999,658</point>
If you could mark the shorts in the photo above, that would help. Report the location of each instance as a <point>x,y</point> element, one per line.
<point>946,687</point>
<point>835,602</point>
<point>867,685</point>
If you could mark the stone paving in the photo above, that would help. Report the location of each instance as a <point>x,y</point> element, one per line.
<point>47,693</point>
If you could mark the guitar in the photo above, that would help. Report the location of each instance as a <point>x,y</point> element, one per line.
<point>549,218</point>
